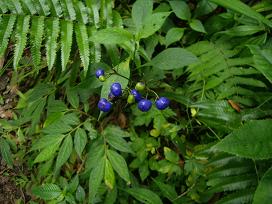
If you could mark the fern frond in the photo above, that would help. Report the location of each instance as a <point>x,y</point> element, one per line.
<point>3,7</point>
<point>43,7</point>
<point>6,28</point>
<point>66,42</point>
<point>21,38</point>
<point>83,44</point>
<point>16,6</point>
<point>53,29</point>
<point>29,7</point>
<point>56,9</point>
<point>82,12</point>
<point>239,197</point>
<point>37,30</point>
<point>68,9</point>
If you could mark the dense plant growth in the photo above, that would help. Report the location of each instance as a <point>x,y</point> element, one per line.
<point>165,101</point>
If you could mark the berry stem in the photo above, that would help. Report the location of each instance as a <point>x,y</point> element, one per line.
<point>115,72</point>
<point>150,90</point>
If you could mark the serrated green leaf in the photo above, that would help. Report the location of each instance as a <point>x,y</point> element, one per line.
<point>43,7</point>
<point>252,140</point>
<point>173,35</point>
<point>119,165</point>
<point>56,8</point>
<point>72,186</point>
<point>152,24</point>
<point>264,189</point>
<point>118,143</point>
<point>144,195</point>
<point>66,42</point>
<point>123,69</point>
<point>36,35</point>
<point>21,38</point>
<point>141,9</point>
<point>5,151</point>
<point>47,153</point>
<point>111,36</point>
<point>167,190</point>
<point>47,191</point>
<point>109,177</point>
<point>83,44</point>
<point>196,25</point>
<point>72,97</point>
<point>52,34</point>
<point>95,179</point>
<point>64,152</point>
<point>6,28</point>
<point>173,58</point>
<point>82,12</point>
<point>181,9</point>
<point>68,6</point>
<point>80,141</point>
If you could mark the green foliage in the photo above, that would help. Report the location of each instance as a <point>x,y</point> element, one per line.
<point>212,58</point>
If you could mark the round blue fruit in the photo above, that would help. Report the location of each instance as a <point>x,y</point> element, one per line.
<point>116,89</point>
<point>162,103</point>
<point>104,105</point>
<point>144,105</point>
<point>99,72</point>
<point>136,95</point>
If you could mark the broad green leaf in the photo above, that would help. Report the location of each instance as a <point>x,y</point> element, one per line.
<point>21,38</point>
<point>95,179</point>
<point>141,10</point>
<point>196,25</point>
<point>109,177</point>
<point>204,7</point>
<point>167,190</point>
<point>111,36</point>
<point>72,97</point>
<point>72,186</point>
<point>36,34</point>
<point>95,154</point>
<point>115,130</point>
<point>144,195</point>
<point>173,58</point>
<point>47,153</point>
<point>66,42</point>
<point>111,196</point>
<point>242,8</point>
<point>5,151</point>
<point>64,152</point>
<point>118,143</point>
<point>47,191</point>
<point>119,165</point>
<point>47,140</point>
<point>153,23</point>
<point>83,44</point>
<point>262,60</point>
<point>173,35</point>
<point>181,9</point>
<point>170,155</point>
<point>243,30</point>
<point>124,70</point>
<point>264,189</point>
<point>6,28</point>
<point>53,29</point>
<point>252,140</point>
<point>80,141</point>
<point>80,194</point>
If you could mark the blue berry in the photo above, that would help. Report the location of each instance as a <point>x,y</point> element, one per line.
<point>99,72</point>
<point>104,105</point>
<point>116,89</point>
<point>136,95</point>
<point>162,103</point>
<point>144,105</point>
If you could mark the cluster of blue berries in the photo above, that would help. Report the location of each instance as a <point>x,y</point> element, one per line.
<point>134,96</point>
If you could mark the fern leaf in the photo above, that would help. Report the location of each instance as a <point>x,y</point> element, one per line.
<point>21,38</point>
<point>239,197</point>
<point>66,42</point>
<point>53,29</point>
<point>37,29</point>
<point>16,5</point>
<point>3,7</point>
<point>28,4</point>
<point>83,44</point>
<point>68,9</point>
<point>6,29</point>
<point>82,12</point>
<point>43,7</point>
<point>56,8</point>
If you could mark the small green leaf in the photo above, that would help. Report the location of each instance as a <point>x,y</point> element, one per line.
<point>173,35</point>
<point>47,191</point>
<point>80,141</point>
<point>173,58</point>
<point>95,179</point>
<point>181,9</point>
<point>141,9</point>
<point>119,165</point>
<point>170,155</point>
<point>196,25</point>
<point>64,152</point>
<point>109,175</point>
<point>47,153</point>
<point>252,140</point>
<point>46,141</point>
<point>264,189</point>
<point>72,186</point>
<point>5,151</point>
<point>167,190</point>
<point>144,195</point>
<point>153,23</point>
<point>80,194</point>
<point>72,97</point>
<point>111,36</point>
